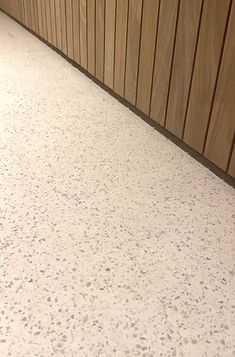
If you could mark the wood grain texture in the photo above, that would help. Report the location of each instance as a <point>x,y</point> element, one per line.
<point>35,9</point>
<point>133,48</point>
<point>110,14</point>
<point>120,46</point>
<point>100,20</point>
<point>91,36</point>
<point>48,21</point>
<point>222,123</point>
<point>147,49</point>
<point>63,27</point>
<point>186,37</point>
<point>83,32</point>
<point>40,24</point>
<point>231,169</point>
<point>204,76</point>
<point>163,59</point>
<point>44,21</point>
<point>69,23</point>
<point>31,12</point>
<point>76,31</point>
<point>53,23</point>
<point>58,24</point>
<point>26,12</point>
<point>173,59</point>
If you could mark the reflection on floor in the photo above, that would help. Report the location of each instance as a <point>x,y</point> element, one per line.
<point>113,241</point>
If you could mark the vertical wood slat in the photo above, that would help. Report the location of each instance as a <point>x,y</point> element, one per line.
<point>53,23</point>
<point>83,32</point>
<point>69,18</point>
<point>231,169</point>
<point>44,20</point>
<point>35,9</point>
<point>91,36</point>
<point>205,71</point>
<point>120,46</point>
<point>30,5</point>
<point>100,20</point>
<point>58,24</point>
<point>40,24</point>
<point>63,26</point>
<point>76,31</point>
<point>110,14</point>
<point>147,48</point>
<point>133,48</point>
<point>48,21</point>
<point>163,59</point>
<point>185,46</point>
<point>222,123</point>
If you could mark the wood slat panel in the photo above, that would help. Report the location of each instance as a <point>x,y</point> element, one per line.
<point>40,24</point>
<point>169,58</point>
<point>44,22</point>
<point>76,31</point>
<point>222,123</point>
<point>26,13</point>
<point>69,21</point>
<point>91,35</point>
<point>163,59</point>
<point>110,14</point>
<point>58,24</point>
<point>133,48</point>
<point>31,11</point>
<point>83,32</point>
<point>231,169</point>
<point>120,46</point>
<point>186,37</point>
<point>48,21</point>
<point>147,49</point>
<point>63,27</point>
<point>35,9</point>
<point>53,23</point>
<point>100,20</point>
<point>206,66</point>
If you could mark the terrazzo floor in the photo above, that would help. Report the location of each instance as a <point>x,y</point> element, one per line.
<point>114,242</point>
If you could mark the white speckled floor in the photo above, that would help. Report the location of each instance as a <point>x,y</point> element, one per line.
<point>114,242</point>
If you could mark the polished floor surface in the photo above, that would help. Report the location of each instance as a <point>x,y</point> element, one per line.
<point>114,242</point>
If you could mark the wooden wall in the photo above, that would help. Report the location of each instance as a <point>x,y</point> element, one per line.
<point>172,59</point>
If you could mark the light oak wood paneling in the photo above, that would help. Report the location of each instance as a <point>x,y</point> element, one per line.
<point>40,15</point>
<point>231,169</point>
<point>222,123</point>
<point>163,59</point>
<point>53,23</point>
<point>133,49</point>
<point>48,21</point>
<point>206,66</point>
<point>110,13</point>
<point>63,27</point>
<point>69,22</point>
<point>186,38</point>
<point>76,31</point>
<point>100,21</point>
<point>172,59</point>
<point>83,32</point>
<point>58,24</point>
<point>120,46</point>
<point>91,36</point>
<point>147,49</point>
